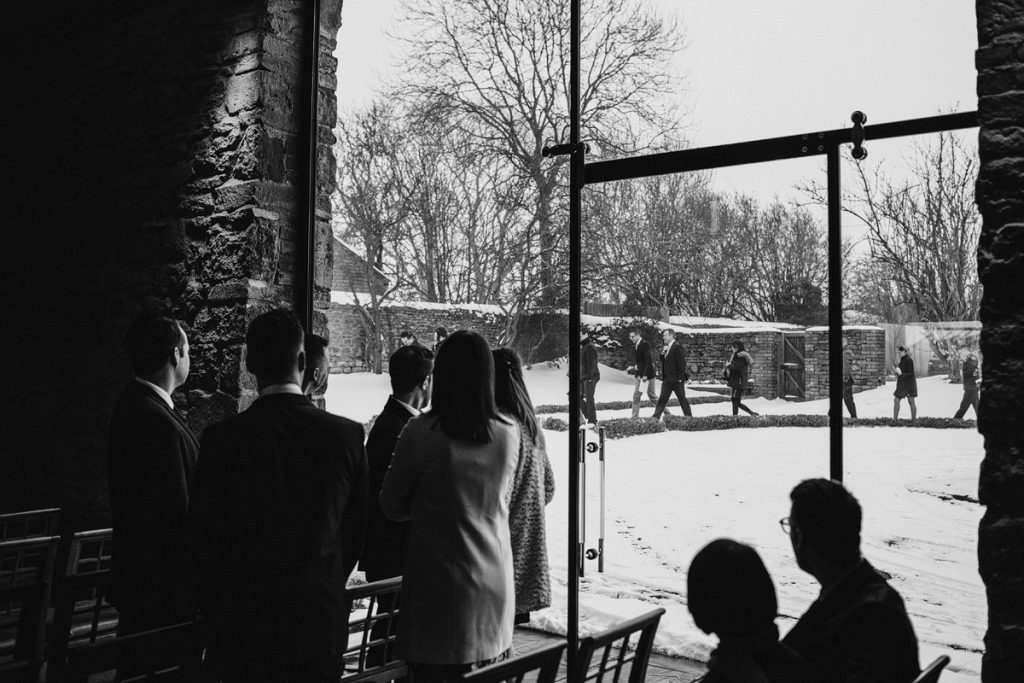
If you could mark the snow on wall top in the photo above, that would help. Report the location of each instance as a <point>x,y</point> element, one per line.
<point>824,328</point>
<point>348,298</point>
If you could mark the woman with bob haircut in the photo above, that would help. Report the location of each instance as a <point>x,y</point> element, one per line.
<point>730,593</point>
<point>450,478</point>
<point>533,487</point>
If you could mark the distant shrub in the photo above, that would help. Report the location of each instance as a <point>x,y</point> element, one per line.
<point>622,427</point>
<point>549,408</point>
<point>927,422</point>
<point>555,424</point>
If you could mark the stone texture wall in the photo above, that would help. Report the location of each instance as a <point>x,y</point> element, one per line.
<point>156,154</point>
<point>868,346</point>
<point>349,273</point>
<point>1000,196</point>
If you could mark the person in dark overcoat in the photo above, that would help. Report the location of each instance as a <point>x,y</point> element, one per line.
<point>152,460</point>
<point>673,374</point>
<point>737,374</point>
<point>642,370</point>
<point>906,384</point>
<point>970,377</point>
<point>590,375</point>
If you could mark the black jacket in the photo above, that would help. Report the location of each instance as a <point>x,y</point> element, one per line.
<point>643,361</point>
<point>673,365</point>
<point>588,362</point>
<point>280,518</point>
<point>385,539</point>
<point>970,375</point>
<point>859,631</point>
<point>152,463</point>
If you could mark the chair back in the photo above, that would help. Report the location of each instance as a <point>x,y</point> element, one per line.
<point>82,613</point>
<point>26,574</point>
<point>171,654</point>
<point>28,524</point>
<point>543,662</point>
<point>931,673</point>
<point>370,654</point>
<point>618,651</point>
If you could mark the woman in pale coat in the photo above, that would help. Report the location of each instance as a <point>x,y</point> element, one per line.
<point>450,477</point>
<point>532,488</point>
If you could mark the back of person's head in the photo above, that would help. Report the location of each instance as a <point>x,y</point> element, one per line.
<point>738,345</point>
<point>463,392</point>
<point>440,334</point>
<point>729,591</point>
<point>827,517</point>
<point>151,341</point>
<point>406,334</point>
<point>510,393</point>
<point>315,375</point>
<point>409,367</point>
<point>273,343</point>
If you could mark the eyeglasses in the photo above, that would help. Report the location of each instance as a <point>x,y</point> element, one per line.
<point>784,523</point>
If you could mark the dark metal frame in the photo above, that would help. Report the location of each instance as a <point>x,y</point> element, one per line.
<point>581,174</point>
<point>305,278</point>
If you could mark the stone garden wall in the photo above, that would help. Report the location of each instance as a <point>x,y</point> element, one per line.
<point>868,346</point>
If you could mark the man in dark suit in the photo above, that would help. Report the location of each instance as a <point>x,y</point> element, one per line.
<point>857,629</point>
<point>280,519</point>
<point>152,462</point>
<point>409,368</point>
<point>590,375</point>
<point>673,374</point>
<point>642,369</point>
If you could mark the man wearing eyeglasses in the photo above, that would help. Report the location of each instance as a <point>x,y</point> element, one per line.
<point>857,629</point>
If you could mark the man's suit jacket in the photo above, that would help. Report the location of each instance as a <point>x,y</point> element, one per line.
<point>673,364</point>
<point>151,468</point>
<point>280,519</point>
<point>385,539</point>
<point>588,362</point>
<point>643,361</point>
<point>859,630</point>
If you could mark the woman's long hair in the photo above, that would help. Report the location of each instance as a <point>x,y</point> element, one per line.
<point>510,394</point>
<point>462,401</point>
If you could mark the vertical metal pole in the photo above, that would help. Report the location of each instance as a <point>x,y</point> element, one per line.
<point>305,282</point>
<point>575,274</point>
<point>835,315</point>
<point>600,537</point>
<point>581,547</point>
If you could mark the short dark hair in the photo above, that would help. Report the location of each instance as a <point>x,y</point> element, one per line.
<point>272,342</point>
<point>406,334</point>
<point>828,518</point>
<point>315,347</point>
<point>151,341</point>
<point>738,345</point>
<point>462,402</point>
<point>729,590</point>
<point>409,366</point>
<point>510,393</point>
<point>440,332</point>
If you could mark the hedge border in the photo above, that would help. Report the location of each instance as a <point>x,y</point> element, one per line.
<point>549,408</point>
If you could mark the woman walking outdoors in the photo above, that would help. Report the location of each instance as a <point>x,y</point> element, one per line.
<point>737,373</point>
<point>906,384</point>
<point>533,487</point>
<point>450,477</point>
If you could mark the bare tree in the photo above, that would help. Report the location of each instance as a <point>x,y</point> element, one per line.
<point>501,68</point>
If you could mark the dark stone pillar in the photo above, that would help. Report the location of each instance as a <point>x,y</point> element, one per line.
<point>1000,196</point>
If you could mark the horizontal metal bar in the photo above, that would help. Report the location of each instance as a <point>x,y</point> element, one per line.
<point>769,149</point>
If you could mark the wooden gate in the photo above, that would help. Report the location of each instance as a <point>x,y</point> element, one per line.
<point>792,383</point>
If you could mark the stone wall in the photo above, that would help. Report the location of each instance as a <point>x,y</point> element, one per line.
<point>1000,196</point>
<point>157,151</point>
<point>868,346</point>
<point>351,273</point>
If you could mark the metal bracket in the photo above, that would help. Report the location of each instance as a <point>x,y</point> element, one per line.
<point>857,135</point>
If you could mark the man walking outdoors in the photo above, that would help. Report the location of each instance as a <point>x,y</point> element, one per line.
<point>673,374</point>
<point>642,370</point>
<point>590,375</point>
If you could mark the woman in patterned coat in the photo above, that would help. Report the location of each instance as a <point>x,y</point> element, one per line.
<point>533,487</point>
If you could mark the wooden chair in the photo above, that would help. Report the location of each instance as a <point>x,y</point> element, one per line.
<point>371,656</point>
<point>544,661</point>
<point>28,524</point>
<point>26,574</point>
<point>615,648</point>
<point>82,614</point>
<point>931,673</point>
<point>171,654</point>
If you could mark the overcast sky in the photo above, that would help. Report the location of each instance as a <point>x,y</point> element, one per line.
<point>755,69</point>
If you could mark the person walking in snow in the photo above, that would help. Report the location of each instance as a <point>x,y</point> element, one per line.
<point>673,374</point>
<point>906,384</point>
<point>971,394</point>
<point>737,373</point>
<point>642,370</point>
<point>848,381</point>
<point>590,375</point>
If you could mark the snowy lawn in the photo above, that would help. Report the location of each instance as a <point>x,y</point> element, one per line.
<point>669,494</point>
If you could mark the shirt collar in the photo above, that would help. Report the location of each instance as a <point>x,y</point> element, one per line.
<point>164,396</point>
<point>286,388</point>
<point>412,411</point>
<point>832,587</point>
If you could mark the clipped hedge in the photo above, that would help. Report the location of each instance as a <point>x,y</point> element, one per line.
<point>548,408</point>
<point>623,427</point>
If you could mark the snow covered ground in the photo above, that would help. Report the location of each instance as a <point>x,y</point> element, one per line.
<point>668,494</point>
